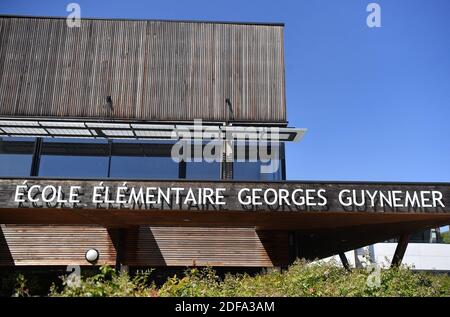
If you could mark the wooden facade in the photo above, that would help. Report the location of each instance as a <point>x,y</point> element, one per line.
<point>152,70</point>
<point>138,70</point>
<point>166,71</point>
<point>50,234</point>
<point>25,245</point>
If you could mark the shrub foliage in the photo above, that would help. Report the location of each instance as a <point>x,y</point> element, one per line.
<point>446,237</point>
<point>300,279</point>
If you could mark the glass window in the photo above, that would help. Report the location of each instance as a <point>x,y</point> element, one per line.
<point>248,164</point>
<point>209,167</point>
<point>249,171</point>
<point>74,158</point>
<point>16,155</point>
<point>421,236</point>
<point>203,170</point>
<point>142,160</point>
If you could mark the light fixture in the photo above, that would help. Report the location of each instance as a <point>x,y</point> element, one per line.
<point>109,102</point>
<point>92,255</point>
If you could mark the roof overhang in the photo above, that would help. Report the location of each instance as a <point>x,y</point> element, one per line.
<point>51,128</point>
<point>323,230</point>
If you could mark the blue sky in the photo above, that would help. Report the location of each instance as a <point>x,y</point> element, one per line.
<point>376,101</point>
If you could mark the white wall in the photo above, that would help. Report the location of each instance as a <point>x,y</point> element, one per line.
<point>419,256</point>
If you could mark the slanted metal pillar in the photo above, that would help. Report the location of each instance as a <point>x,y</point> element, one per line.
<point>400,250</point>
<point>344,261</point>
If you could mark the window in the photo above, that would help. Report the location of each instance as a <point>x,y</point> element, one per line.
<point>127,159</point>
<point>143,160</point>
<point>16,155</point>
<point>73,158</point>
<point>208,167</point>
<point>252,171</point>
<point>203,170</point>
<point>252,167</point>
<point>421,237</point>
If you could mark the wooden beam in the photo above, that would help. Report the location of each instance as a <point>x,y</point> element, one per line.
<point>400,250</point>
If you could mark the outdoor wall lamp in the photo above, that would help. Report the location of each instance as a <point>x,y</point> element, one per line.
<point>92,255</point>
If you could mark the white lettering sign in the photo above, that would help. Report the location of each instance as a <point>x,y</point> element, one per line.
<point>124,196</point>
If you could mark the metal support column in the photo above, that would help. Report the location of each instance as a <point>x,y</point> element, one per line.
<point>400,250</point>
<point>182,170</point>
<point>36,159</point>
<point>344,261</point>
<point>227,159</point>
<point>283,161</point>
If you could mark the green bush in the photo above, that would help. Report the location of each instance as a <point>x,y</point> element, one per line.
<point>21,287</point>
<point>106,283</point>
<point>445,237</point>
<point>309,279</point>
<point>301,279</point>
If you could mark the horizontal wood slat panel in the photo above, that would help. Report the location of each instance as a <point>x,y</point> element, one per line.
<point>142,246</point>
<point>199,246</point>
<point>153,70</point>
<point>53,245</point>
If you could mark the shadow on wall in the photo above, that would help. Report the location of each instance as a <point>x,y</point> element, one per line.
<point>6,258</point>
<point>137,246</point>
<point>276,245</point>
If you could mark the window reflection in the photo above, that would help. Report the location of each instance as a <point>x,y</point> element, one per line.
<point>248,162</point>
<point>90,158</point>
<point>203,170</point>
<point>203,163</point>
<point>16,155</point>
<point>143,160</point>
<point>74,158</point>
<point>252,171</point>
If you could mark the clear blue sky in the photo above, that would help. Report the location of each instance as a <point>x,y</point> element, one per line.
<point>376,101</point>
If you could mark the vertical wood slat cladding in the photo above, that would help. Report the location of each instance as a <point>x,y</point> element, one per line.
<point>154,70</point>
<point>143,246</point>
